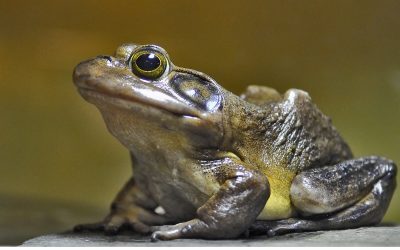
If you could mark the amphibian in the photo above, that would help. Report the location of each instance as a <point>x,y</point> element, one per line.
<point>210,164</point>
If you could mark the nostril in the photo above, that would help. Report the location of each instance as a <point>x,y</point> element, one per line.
<point>108,58</point>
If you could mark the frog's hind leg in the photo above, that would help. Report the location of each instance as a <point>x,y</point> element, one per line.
<point>349,194</point>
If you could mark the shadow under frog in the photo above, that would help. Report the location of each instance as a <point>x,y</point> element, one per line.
<point>210,164</point>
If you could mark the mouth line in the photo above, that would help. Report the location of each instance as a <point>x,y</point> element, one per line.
<point>132,100</point>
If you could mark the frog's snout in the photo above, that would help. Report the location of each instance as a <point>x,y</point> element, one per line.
<point>89,69</point>
<point>81,72</point>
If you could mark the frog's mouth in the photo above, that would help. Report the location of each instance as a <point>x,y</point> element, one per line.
<point>127,97</point>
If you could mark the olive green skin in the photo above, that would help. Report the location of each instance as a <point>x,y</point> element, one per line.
<point>213,170</point>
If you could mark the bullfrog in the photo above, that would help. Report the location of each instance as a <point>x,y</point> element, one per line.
<point>214,165</point>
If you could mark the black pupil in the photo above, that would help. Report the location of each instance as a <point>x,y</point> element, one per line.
<point>148,62</point>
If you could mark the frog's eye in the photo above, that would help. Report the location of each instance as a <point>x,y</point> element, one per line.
<point>199,92</point>
<point>148,64</point>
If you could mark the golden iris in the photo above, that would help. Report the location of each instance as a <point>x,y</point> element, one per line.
<point>148,64</point>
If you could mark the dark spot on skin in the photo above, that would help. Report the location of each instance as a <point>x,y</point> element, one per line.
<point>108,58</point>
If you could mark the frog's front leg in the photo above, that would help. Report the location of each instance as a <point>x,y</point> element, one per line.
<point>131,208</point>
<point>230,211</point>
<point>350,194</point>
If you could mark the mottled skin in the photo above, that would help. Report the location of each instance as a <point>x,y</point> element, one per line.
<point>210,164</point>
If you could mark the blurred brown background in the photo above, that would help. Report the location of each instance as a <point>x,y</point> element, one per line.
<point>59,166</point>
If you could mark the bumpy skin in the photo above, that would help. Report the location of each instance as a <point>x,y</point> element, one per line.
<point>210,164</point>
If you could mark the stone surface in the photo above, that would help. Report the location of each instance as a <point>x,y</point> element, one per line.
<point>368,236</point>
<point>22,217</point>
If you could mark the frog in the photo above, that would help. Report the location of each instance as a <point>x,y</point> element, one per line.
<point>210,164</point>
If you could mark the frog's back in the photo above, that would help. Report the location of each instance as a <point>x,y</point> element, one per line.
<point>301,136</point>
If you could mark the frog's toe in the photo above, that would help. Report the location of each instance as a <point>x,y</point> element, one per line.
<point>278,230</point>
<point>140,227</point>
<point>278,227</point>
<point>167,232</point>
<point>161,228</point>
<point>89,227</point>
<point>136,226</point>
<point>117,224</point>
<point>112,225</point>
<point>112,229</point>
<point>281,229</point>
<point>165,235</point>
<point>107,228</point>
<point>156,236</point>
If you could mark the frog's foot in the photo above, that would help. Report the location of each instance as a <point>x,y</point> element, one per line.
<point>170,232</point>
<point>131,209</point>
<point>117,221</point>
<point>136,218</point>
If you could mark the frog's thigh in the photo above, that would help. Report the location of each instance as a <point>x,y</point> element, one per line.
<point>353,193</point>
<point>329,189</point>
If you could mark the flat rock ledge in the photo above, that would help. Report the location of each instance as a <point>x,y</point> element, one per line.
<point>366,236</point>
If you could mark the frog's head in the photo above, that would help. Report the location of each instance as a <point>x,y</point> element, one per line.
<point>140,83</point>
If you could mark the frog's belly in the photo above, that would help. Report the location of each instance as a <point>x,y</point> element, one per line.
<point>278,205</point>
